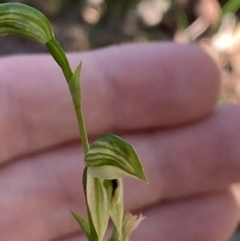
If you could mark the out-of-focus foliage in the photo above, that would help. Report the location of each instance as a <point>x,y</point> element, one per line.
<point>217,30</point>
<point>84,24</point>
<point>232,6</point>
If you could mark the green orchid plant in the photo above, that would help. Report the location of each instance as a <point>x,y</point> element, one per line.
<point>107,160</point>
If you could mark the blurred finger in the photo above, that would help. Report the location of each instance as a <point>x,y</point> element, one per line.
<point>202,218</point>
<point>50,182</point>
<point>202,157</point>
<point>125,88</point>
<point>38,194</point>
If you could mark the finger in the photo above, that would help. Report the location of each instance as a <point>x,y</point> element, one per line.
<point>38,193</point>
<point>124,88</point>
<point>51,181</point>
<point>236,192</point>
<point>202,157</point>
<point>202,218</point>
<point>140,79</point>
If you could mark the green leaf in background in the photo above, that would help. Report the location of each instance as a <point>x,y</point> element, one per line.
<point>21,19</point>
<point>116,205</point>
<point>111,157</point>
<point>222,99</point>
<point>181,20</point>
<point>97,201</point>
<point>232,6</point>
<point>83,224</point>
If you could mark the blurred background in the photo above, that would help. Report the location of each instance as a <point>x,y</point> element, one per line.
<point>80,25</point>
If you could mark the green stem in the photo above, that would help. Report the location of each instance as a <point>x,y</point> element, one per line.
<point>60,57</point>
<point>81,125</point>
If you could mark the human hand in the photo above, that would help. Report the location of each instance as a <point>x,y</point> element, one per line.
<point>161,97</point>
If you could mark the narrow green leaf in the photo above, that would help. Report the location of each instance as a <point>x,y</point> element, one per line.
<point>97,201</point>
<point>21,19</point>
<point>111,157</point>
<point>232,6</point>
<point>116,205</point>
<point>74,86</point>
<point>83,224</point>
<point>222,99</point>
<point>181,19</point>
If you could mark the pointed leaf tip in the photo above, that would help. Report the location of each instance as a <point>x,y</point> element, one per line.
<point>83,224</point>
<point>111,157</point>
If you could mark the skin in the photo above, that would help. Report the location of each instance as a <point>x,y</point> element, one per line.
<point>162,98</point>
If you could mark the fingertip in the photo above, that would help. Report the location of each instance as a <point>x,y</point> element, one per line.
<point>204,217</point>
<point>151,85</point>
